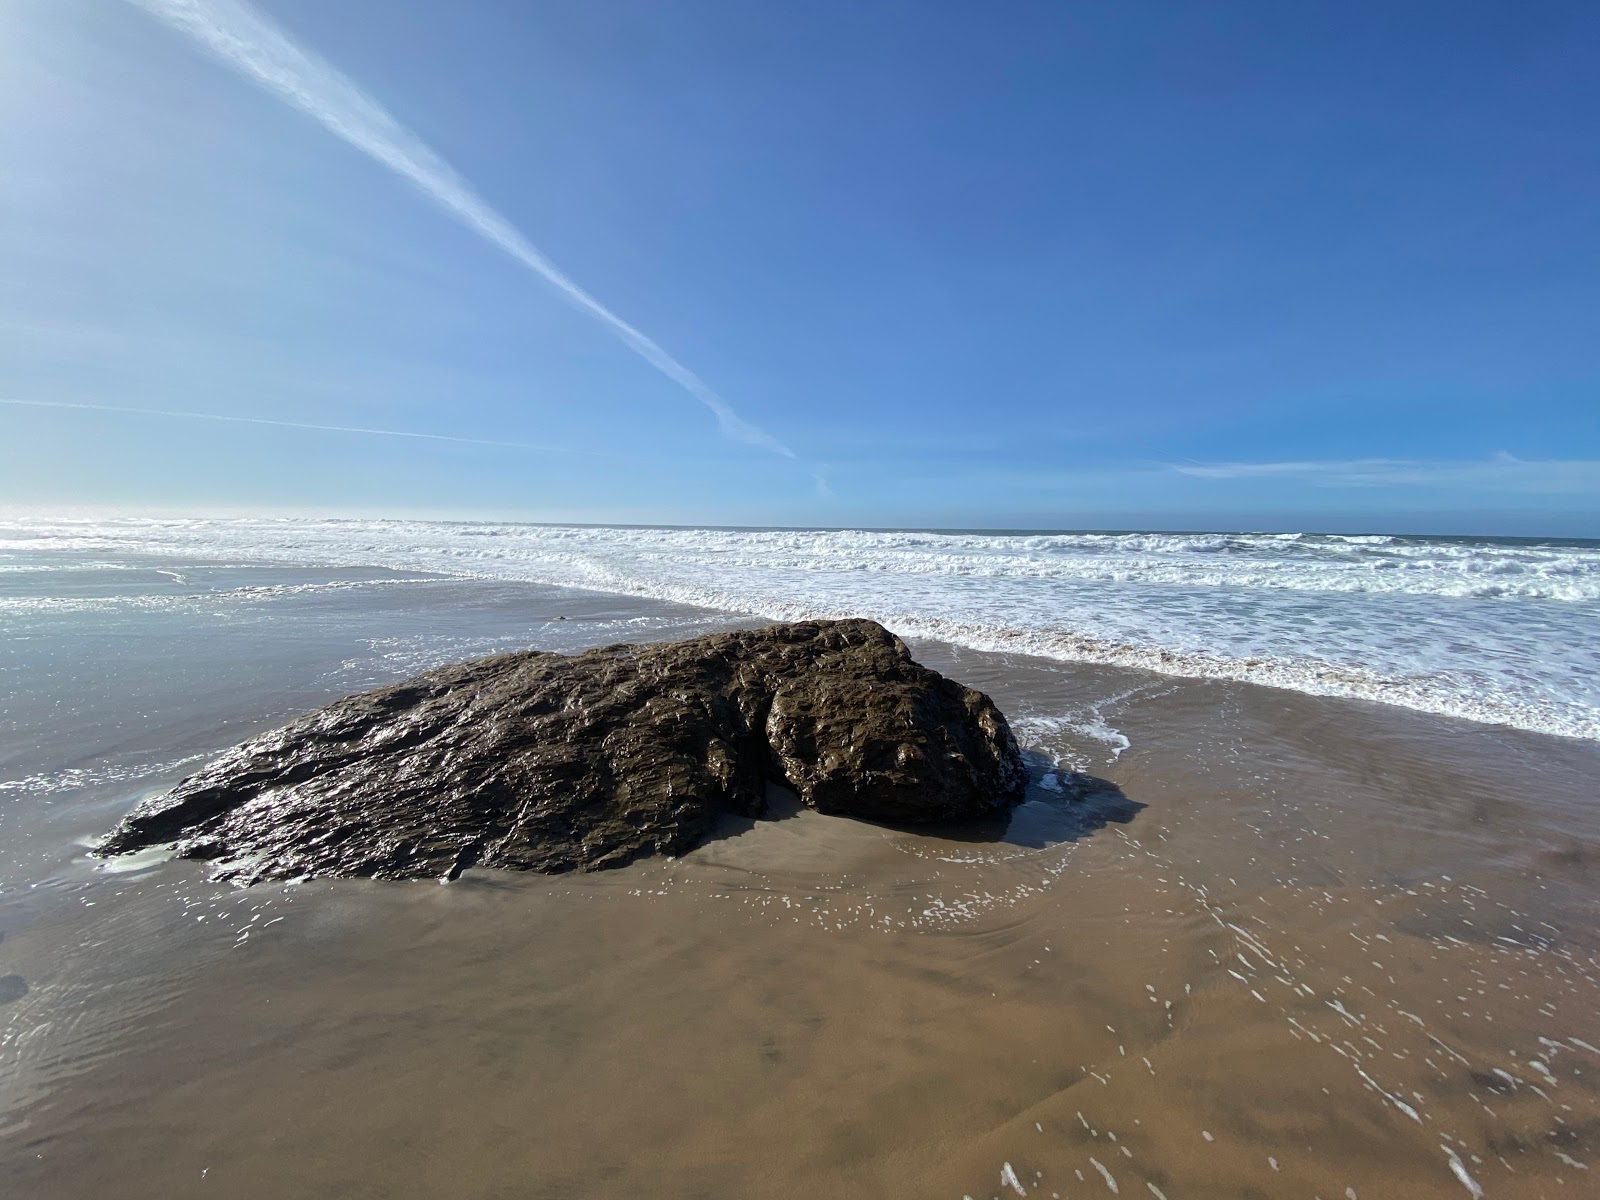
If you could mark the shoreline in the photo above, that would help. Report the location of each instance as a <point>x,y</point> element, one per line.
<point>578,609</point>
<point>1311,886</point>
<point>1493,631</point>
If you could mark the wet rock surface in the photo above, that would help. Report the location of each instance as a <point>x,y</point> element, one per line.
<point>546,762</point>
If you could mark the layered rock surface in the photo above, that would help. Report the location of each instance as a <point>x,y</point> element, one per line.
<point>546,762</point>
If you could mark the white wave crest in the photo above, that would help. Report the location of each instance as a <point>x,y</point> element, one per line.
<point>1498,631</point>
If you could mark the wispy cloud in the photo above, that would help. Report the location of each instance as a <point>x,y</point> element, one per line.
<point>204,416</point>
<point>243,39</point>
<point>1501,473</point>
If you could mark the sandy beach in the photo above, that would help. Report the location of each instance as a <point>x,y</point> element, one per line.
<point>1343,949</point>
<point>824,601</point>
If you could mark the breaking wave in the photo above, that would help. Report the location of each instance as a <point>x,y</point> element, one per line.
<point>1496,630</point>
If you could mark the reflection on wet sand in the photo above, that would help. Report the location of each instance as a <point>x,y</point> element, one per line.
<point>1290,947</point>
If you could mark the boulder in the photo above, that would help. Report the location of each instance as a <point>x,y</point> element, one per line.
<point>546,762</point>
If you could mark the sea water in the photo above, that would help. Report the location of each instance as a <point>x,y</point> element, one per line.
<point>1497,630</point>
<point>1339,948</point>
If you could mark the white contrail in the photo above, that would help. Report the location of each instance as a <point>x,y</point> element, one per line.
<point>242,38</point>
<point>204,416</point>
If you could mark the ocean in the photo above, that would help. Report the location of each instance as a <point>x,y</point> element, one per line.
<point>1497,630</point>
<point>1345,946</point>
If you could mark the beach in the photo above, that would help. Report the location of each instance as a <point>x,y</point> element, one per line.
<point>1343,947</point>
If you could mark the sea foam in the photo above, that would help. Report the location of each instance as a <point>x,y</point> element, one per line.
<point>1501,631</point>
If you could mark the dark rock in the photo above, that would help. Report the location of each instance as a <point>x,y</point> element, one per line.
<point>547,762</point>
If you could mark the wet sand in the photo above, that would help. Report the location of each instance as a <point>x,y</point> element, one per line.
<point>1344,950</point>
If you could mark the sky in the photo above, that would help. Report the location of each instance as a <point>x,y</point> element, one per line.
<point>846,262</point>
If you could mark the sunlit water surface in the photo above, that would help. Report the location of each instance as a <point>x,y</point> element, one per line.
<point>1325,948</point>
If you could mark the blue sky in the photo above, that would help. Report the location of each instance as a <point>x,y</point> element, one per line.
<point>1034,264</point>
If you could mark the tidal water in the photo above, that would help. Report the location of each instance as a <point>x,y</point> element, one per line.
<point>1503,631</point>
<point>1337,947</point>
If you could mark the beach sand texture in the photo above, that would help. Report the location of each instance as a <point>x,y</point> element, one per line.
<point>1342,950</point>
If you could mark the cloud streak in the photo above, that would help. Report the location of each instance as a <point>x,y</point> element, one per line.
<point>243,39</point>
<point>204,416</point>
<point>1501,473</point>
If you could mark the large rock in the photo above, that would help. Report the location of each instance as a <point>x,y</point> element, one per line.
<point>547,762</point>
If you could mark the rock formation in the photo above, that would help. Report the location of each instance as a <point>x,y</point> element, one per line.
<point>546,762</point>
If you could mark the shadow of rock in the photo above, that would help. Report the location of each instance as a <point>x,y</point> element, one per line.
<point>1059,806</point>
<point>12,988</point>
<point>782,804</point>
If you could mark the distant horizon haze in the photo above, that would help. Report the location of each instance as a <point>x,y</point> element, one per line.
<point>1509,526</point>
